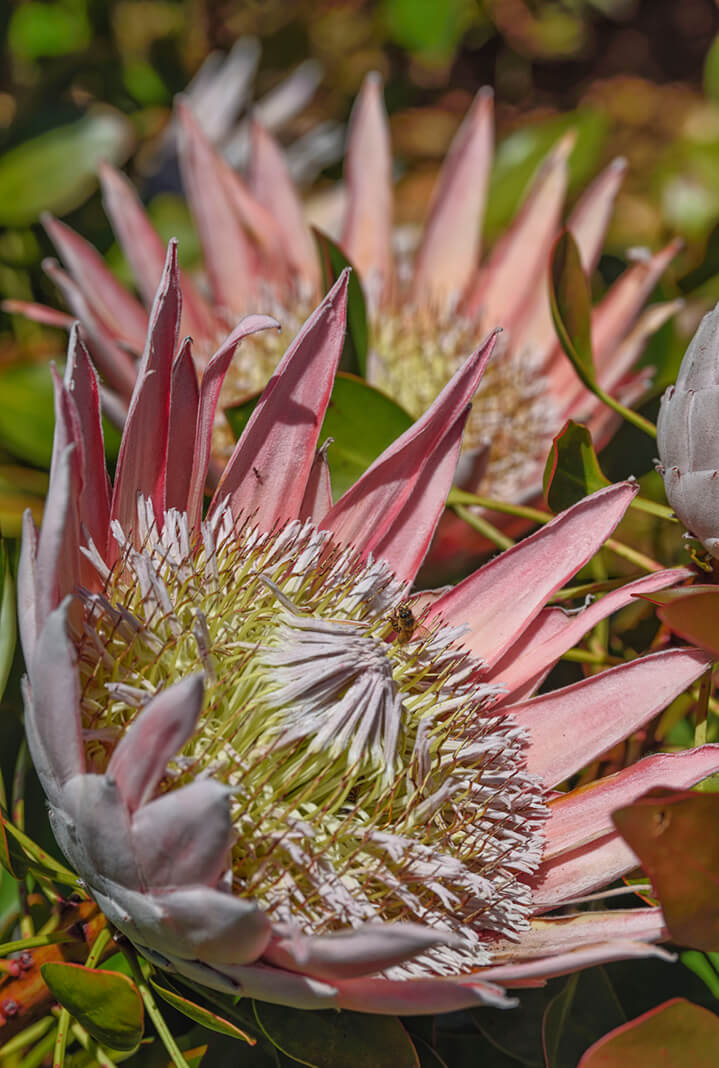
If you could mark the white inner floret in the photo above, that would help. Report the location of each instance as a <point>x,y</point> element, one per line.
<point>371,778</point>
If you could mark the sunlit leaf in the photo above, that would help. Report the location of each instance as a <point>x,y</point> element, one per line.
<point>201,1015</point>
<point>106,1004</point>
<point>57,171</point>
<point>571,304</point>
<point>38,29</point>
<point>332,262</point>
<point>675,834</point>
<point>362,420</point>
<point>673,1035</point>
<point>572,471</point>
<point>329,1039</point>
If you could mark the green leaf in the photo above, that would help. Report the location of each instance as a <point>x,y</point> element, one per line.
<point>27,416</point>
<point>332,262</point>
<point>201,1015</point>
<point>107,1004</point>
<point>329,1039</point>
<point>673,1035</point>
<point>362,420</point>
<point>572,470</point>
<point>57,171</point>
<point>675,834</point>
<point>711,70</point>
<point>583,1011</point>
<point>38,29</point>
<point>571,304</point>
<point>8,627</point>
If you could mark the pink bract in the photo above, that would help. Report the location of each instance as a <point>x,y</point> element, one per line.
<point>345,758</point>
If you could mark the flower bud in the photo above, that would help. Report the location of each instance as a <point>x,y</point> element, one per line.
<point>688,440</point>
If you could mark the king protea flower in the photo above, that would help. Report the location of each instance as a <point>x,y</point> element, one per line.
<point>426,310</point>
<point>277,773</point>
<point>687,436</point>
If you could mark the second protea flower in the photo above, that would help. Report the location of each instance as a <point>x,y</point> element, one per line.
<point>280,774</point>
<point>428,306</point>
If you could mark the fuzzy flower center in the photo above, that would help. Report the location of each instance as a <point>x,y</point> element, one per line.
<point>371,778</point>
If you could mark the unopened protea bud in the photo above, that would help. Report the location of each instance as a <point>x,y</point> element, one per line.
<point>687,436</point>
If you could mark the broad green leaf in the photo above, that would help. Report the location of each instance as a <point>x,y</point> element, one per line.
<point>692,612</point>
<point>362,420</point>
<point>711,70</point>
<point>674,1035</point>
<point>332,262</point>
<point>701,965</point>
<point>572,470</point>
<point>8,626</point>
<point>201,1015</point>
<point>329,1039</point>
<point>430,29</point>
<point>107,1004</point>
<point>571,304</point>
<point>57,171</point>
<point>675,834</point>
<point>26,414</point>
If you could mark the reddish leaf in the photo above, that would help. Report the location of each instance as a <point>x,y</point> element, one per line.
<point>674,1035</point>
<point>693,613</point>
<point>675,833</point>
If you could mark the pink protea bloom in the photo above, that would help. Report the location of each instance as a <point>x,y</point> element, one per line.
<point>270,780</point>
<point>427,308</point>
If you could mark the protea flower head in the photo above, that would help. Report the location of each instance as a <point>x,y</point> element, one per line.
<point>278,773</point>
<point>427,308</point>
<point>687,436</point>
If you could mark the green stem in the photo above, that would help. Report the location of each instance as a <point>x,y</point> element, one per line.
<point>98,948</point>
<point>91,1046</point>
<point>34,942</point>
<point>639,559</point>
<point>152,1010</point>
<point>484,527</point>
<point>26,1038</point>
<point>63,1026</point>
<point>626,413</point>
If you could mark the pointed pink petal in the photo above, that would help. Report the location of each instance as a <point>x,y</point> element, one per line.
<point>210,388</point>
<point>619,363</point>
<point>38,313</point>
<point>584,815</point>
<point>592,212</point>
<point>26,585</point>
<point>184,401</point>
<point>57,564</point>
<point>145,251</point>
<point>562,934</point>
<point>449,252</point>
<point>159,732</point>
<point>142,460</point>
<point>184,837</point>
<point>279,442</point>
<point>419,997</point>
<point>273,187</point>
<point>589,868</point>
<point>82,385</point>
<point>554,631</point>
<point>317,500</point>
<point>375,511</point>
<point>404,541</point>
<point>116,365</point>
<point>351,953</point>
<point>613,317</point>
<point>124,317</point>
<point>526,973</point>
<point>229,260</point>
<point>570,727</point>
<point>503,597</point>
<point>520,257</point>
<point>103,849</point>
<point>52,714</point>
<point>367,232</point>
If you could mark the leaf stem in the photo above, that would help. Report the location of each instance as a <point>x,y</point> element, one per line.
<point>153,1011</point>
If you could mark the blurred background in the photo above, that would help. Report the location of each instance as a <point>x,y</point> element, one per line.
<point>86,80</point>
